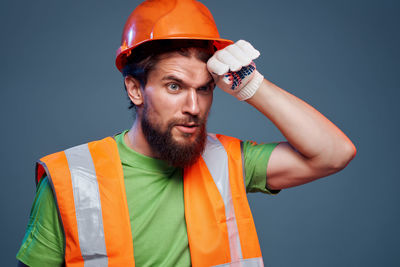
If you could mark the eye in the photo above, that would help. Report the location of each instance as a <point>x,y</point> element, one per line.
<point>205,89</point>
<point>173,86</point>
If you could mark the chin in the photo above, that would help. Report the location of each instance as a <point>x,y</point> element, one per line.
<point>184,139</point>
<point>179,136</point>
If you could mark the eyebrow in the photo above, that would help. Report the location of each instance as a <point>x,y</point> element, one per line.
<point>172,78</point>
<point>180,81</point>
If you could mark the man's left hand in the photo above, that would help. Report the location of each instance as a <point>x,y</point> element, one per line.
<point>234,71</point>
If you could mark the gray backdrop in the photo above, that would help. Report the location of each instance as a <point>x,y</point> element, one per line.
<point>59,88</point>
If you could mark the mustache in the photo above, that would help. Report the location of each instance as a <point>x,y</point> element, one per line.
<point>189,119</point>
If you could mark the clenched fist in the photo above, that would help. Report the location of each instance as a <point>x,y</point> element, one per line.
<point>234,71</point>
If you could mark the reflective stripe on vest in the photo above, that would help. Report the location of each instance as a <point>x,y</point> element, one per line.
<point>81,177</point>
<point>90,194</point>
<point>87,206</point>
<point>216,160</point>
<point>220,227</point>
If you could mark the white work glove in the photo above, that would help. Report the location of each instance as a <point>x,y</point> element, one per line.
<point>234,71</point>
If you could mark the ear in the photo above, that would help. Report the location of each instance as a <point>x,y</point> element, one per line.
<point>132,86</point>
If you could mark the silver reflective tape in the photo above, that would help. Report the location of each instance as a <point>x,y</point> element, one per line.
<point>216,160</point>
<point>87,206</point>
<point>253,262</point>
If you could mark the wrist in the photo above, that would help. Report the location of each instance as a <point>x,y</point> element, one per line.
<point>251,87</point>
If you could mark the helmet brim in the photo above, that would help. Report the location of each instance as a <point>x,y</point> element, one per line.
<point>124,52</point>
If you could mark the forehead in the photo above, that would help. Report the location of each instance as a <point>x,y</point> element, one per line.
<point>188,68</point>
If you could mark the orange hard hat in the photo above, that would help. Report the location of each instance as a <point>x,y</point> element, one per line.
<point>167,19</point>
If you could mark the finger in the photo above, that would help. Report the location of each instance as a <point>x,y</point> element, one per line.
<point>248,49</point>
<point>227,78</point>
<point>239,54</point>
<point>215,66</point>
<point>225,57</point>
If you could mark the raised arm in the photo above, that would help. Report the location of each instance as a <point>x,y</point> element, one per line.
<point>315,147</point>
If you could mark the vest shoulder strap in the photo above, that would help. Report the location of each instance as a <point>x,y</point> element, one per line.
<point>89,188</point>
<point>220,225</point>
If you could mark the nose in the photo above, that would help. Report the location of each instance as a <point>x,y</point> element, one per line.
<point>191,103</point>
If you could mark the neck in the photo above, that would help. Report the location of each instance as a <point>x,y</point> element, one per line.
<point>135,140</point>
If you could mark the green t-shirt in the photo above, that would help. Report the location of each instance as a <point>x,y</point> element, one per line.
<point>154,194</point>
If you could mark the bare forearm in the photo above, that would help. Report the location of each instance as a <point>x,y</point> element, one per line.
<point>306,129</point>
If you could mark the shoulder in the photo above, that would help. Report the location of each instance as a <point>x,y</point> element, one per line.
<point>217,142</point>
<point>224,139</point>
<point>103,147</point>
<point>101,142</point>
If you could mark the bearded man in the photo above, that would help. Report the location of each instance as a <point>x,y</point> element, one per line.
<point>166,192</point>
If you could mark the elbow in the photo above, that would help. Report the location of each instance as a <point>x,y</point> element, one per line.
<point>343,156</point>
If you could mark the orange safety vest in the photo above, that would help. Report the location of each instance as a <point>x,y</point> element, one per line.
<point>88,183</point>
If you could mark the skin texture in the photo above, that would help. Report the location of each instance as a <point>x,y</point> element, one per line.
<point>179,88</point>
<point>164,145</point>
<point>315,147</point>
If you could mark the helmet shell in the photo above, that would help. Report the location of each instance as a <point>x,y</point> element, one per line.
<point>167,19</point>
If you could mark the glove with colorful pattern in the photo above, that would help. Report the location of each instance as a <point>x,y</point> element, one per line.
<point>234,71</point>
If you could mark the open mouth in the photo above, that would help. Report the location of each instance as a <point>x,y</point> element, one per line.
<point>187,128</point>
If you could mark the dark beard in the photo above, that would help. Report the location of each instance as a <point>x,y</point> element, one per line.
<point>166,148</point>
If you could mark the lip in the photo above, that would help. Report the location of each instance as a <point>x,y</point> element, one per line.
<point>187,128</point>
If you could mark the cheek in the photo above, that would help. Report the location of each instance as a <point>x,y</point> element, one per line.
<point>154,100</point>
<point>161,107</point>
<point>206,103</point>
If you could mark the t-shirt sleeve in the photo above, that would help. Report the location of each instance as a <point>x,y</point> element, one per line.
<point>256,157</point>
<point>43,243</point>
